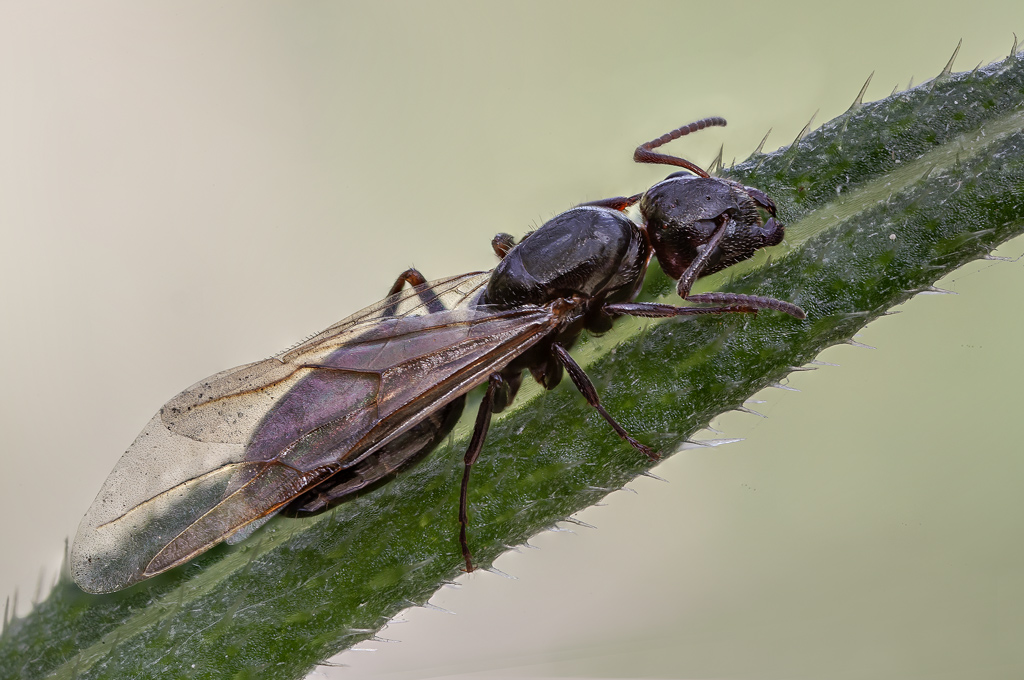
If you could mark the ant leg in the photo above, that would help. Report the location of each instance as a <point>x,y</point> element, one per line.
<point>753,302</point>
<point>502,243</point>
<point>734,302</point>
<point>654,310</point>
<point>586,388</point>
<point>414,278</point>
<point>617,203</point>
<point>505,396</point>
<point>411,276</point>
<point>699,262</point>
<point>476,444</point>
<point>743,302</point>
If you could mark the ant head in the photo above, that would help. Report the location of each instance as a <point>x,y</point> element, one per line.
<point>681,215</point>
<point>682,212</point>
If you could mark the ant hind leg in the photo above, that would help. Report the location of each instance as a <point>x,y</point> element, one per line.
<point>414,278</point>
<point>411,276</point>
<point>495,385</point>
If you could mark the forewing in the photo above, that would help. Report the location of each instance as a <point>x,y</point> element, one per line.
<point>454,292</point>
<point>236,447</point>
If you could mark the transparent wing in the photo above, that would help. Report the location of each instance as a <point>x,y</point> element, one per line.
<point>454,292</point>
<point>236,447</point>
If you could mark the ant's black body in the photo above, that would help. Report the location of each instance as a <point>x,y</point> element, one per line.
<point>587,264</point>
<point>368,397</point>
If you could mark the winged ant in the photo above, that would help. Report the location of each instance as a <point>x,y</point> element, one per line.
<point>370,396</point>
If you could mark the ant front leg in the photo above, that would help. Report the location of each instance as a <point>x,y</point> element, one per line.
<point>697,266</point>
<point>732,302</point>
<point>736,302</point>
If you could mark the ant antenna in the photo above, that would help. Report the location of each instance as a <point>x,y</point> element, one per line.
<point>645,154</point>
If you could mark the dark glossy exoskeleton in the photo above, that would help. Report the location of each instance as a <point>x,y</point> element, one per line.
<point>368,397</point>
<point>690,213</point>
<point>683,213</point>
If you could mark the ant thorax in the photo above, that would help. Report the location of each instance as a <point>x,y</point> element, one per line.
<point>588,252</point>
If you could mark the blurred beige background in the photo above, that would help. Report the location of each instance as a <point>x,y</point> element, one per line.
<point>189,186</point>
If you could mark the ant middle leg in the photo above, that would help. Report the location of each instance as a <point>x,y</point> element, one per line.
<point>589,392</point>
